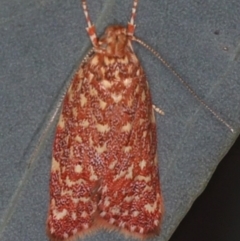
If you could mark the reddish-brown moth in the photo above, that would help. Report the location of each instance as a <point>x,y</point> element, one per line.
<point>104,168</point>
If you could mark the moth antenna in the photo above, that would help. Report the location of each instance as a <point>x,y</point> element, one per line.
<point>91,28</point>
<point>131,26</point>
<point>166,64</point>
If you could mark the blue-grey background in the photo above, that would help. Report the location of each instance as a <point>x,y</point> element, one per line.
<point>215,214</point>
<point>41,44</point>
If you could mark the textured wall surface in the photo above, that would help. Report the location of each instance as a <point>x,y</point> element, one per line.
<point>42,43</point>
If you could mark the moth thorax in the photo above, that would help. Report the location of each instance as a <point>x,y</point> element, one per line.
<point>115,42</point>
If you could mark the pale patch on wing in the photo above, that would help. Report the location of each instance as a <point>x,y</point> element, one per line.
<point>102,104</point>
<point>147,85</point>
<point>101,149</point>
<point>143,96</point>
<point>159,198</point>
<point>52,230</point>
<point>70,94</point>
<point>130,102</point>
<point>84,214</point>
<point>127,149</point>
<point>115,210</point>
<point>93,176</point>
<point>127,82</point>
<point>108,60</point>
<point>128,199</point>
<point>78,138</point>
<point>111,220</point>
<point>75,112</point>
<point>66,192</point>
<point>130,69</point>
<point>151,207</point>
<point>132,228</point>
<point>75,200</point>
<point>78,169</point>
<point>123,60</point>
<point>90,77</point>
<point>126,127</point>
<point>74,216</point>
<point>103,128</point>
<point>156,222</point>
<point>94,60</point>
<point>69,91</point>
<point>90,141</point>
<point>69,182</point>
<point>135,213</point>
<point>147,188</point>
<point>81,181</point>
<point>93,91</point>
<point>116,97</point>
<point>106,84</point>
<point>71,153</point>
<point>121,224</point>
<point>83,100</point>
<point>105,188</point>
<point>53,202</point>
<point>117,76</point>
<point>112,164</point>
<point>84,123</point>
<point>61,122</point>
<point>125,213</point>
<point>144,134</point>
<point>134,58</point>
<point>120,175</point>
<point>60,215</point>
<point>137,89</point>
<point>153,120</point>
<point>80,73</point>
<point>84,199</point>
<point>141,121</point>
<point>85,225</point>
<point>55,165</point>
<point>102,69</point>
<point>102,214</point>
<point>106,202</point>
<point>143,178</point>
<point>79,85</point>
<point>142,164</point>
<point>129,172</point>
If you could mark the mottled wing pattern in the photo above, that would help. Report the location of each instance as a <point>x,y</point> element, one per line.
<point>104,167</point>
<point>130,191</point>
<point>73,177</point>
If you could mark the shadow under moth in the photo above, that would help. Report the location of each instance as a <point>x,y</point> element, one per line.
<point>104,170</point>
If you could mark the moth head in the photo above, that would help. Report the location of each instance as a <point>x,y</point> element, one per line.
<point>115,42</point>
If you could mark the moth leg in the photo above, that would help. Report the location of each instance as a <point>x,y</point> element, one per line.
<point>158,110</point>
<point>131,25</point>
<point>91,28</point>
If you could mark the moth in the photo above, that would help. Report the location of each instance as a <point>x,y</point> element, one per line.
<point>104,170</point>
<point>104,167</point>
